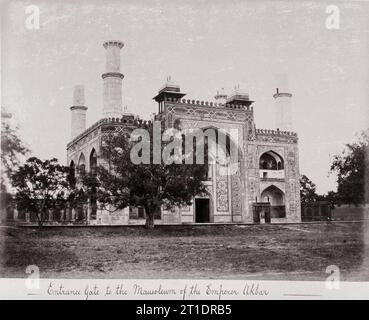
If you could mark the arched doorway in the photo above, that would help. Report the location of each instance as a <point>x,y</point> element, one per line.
<point>202,210</point>
<point>72,174</point>
<point>82,164</point>
<point>276,198</point>
<point>80,208</point>
<point>93,197</point>
<point>223,156</point>
<point>93,162</point>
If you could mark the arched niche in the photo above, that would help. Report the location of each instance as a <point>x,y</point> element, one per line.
<point>93,161</point>
<point>82,164</point>
<point>271,160</point>
<point>72,174</point>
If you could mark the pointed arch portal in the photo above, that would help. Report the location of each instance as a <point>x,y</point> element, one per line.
<point>276,198</point>
<point>82,164</point>
<point>93,162</point>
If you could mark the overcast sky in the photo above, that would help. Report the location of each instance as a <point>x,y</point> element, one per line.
<point>204,46</point>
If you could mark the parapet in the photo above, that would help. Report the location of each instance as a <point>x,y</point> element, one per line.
<point>276,132</point>
<point>123,121</point>
<point>201,103</point>
<point>282,136</point>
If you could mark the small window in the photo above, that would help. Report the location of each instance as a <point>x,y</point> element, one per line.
<point>157,215</point>
<point>141,213</point>
<point>133,214</point>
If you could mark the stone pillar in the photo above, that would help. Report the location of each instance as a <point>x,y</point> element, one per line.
<point>28,217</point>
<point>125,215</point>
<point>73,215</point>
<point>87,209</point>
<point>51,215</point>
<point>15,214</point>
<point>67,213</point>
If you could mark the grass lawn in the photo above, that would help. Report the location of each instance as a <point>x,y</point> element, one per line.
<point>288,252</point>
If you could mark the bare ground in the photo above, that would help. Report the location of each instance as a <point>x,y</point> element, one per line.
<point>288,252</point>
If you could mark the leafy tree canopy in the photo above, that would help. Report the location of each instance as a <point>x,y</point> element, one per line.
<point>352,169</point>
<point>12,148</point>
<point>307,190</point>
<point>123,183</point>
<point>40,186</point>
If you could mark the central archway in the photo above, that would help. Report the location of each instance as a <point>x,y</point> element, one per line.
<point>276,198</point>
<point>225,167</point>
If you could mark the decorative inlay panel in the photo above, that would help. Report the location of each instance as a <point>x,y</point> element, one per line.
<point>236,193</point>
<point>221,191</point>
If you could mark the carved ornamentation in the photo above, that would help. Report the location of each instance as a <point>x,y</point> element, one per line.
<point>291,162</point>
<point>275,136</point>
<point>292,208</point>
<point>292,189</point>
<point>250,160</point>
<point>221,191</point>
<point>236,193</point>
<point>211,113</point>
<point>252,189</point>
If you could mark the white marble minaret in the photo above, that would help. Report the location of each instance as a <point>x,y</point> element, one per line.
<point>78,111</point>
<point>112,95</point>
<point>283,111</point>
<point>221,96</point>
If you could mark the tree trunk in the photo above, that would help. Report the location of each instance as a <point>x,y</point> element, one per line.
<point>40,218</point>
<point>149,218</point>
<point>149,221</point>
<point>41,215</point>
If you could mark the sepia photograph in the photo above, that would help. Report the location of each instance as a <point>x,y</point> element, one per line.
<point>184,150</point>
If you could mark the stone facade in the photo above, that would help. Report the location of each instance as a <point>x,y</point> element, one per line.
<point>266,173</point>
<point>230,197</point>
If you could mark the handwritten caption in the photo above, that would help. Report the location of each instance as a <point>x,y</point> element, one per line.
<point>57,289</point>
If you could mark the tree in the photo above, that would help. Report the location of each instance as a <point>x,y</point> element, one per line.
<point>41,186</point>
<point>352,169</point>
<point>331,197</point>
<point>150,185</point>
<point>307,190</point>
<point>12,148</point>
